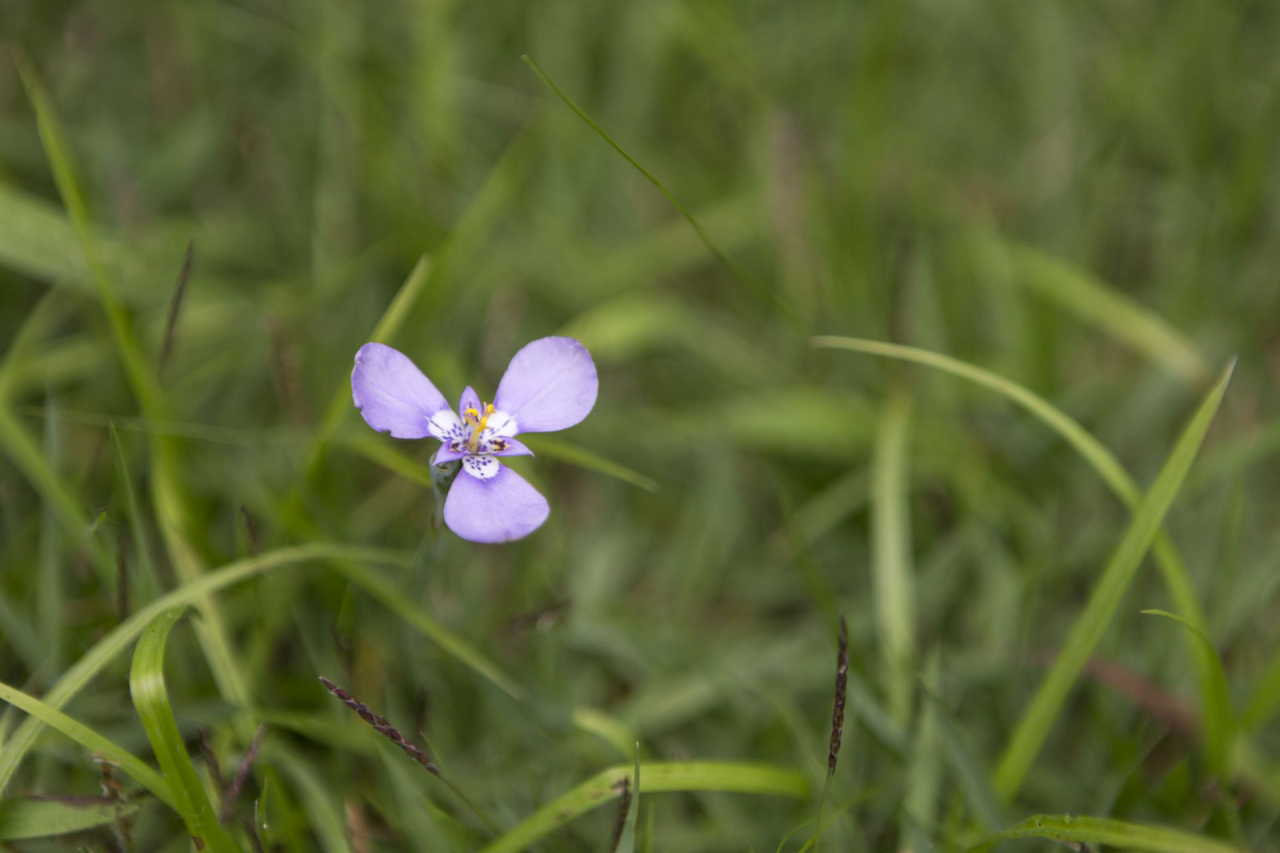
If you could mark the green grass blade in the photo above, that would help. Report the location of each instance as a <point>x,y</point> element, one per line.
<point>971,774</point>
<point>1101,306</point>
<point>891,561</point>
<point>1087,631</point>
<point>1218,728</point>
<point>1172,569</point>
<point>608,728</point>
<point>395,600</point>
<point>659,778</point>
<point>25,455</point>
<point>555,448</point>
<point>141,379</point>
<point>105,650</point>
<point>736,270</point>
<point>151,700</point>
<point>148,582</point>
<point>326,816</point>
<point>924,773</point>
<point>1265,699</point>
<point>40,818</point>
<point>1113,833</point>
<point>396,461</point>
<point>1102,460</point>
<point>51,567</point>
<point>133,766</point>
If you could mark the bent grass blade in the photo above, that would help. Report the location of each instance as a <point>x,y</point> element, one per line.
<point>151,700</point>
<point>105,650</point>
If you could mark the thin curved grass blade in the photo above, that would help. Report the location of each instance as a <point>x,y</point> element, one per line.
<point>1114,833</point>
<point>607,785</point>
<point>1087,631</point>
<point>151,700</point>
<point>1218,727</point>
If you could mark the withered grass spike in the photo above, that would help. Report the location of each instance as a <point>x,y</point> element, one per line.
<point>242,774</point>
<point>210,759</point>
<point>624,806</point>
<point>382,727</point>
<point>122,581</point>
<point>837,710</point>
<point>250,530</point>
<point>175,305</point>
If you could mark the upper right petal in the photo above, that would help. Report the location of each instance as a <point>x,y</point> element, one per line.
<point>393,396</point>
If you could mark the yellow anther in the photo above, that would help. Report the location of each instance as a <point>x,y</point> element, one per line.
<point>477,422</point>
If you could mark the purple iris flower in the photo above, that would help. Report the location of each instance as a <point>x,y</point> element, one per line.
<point>549,385</point>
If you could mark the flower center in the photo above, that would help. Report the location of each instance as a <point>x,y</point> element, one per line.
<point>477,422</point>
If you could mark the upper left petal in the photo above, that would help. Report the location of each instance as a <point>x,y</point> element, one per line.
<point>393,395</point>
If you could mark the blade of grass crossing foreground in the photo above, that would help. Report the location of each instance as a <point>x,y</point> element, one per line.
<point>891,563</point>
<point>105,650</point>
<point>1113,833</point>
<point>151,700</point>
<point>1087,631</point>
<point>1219,725</point>
<point>39,818</point>
<point>134,767</point>
<point>659,778</point>
<point>1093,451</point>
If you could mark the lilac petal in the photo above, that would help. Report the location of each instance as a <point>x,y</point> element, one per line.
<point>393,396</point>
<point>504,446</point>
<point>550,384</point>
<point>470,400</point>
<point>499,509</point>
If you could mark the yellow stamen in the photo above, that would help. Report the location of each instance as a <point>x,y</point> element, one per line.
<point>477,422</point>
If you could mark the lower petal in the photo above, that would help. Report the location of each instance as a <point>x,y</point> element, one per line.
<point>499,509</point>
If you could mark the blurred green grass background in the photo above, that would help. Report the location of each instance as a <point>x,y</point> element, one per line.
<point>1082,198</point>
